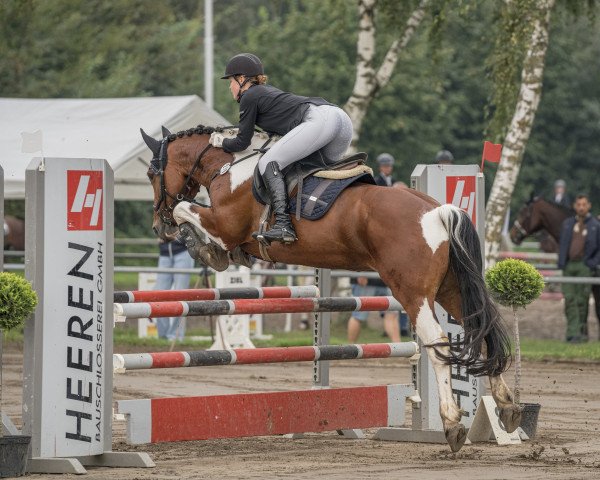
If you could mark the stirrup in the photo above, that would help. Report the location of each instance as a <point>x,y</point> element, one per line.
<point>279,234</point>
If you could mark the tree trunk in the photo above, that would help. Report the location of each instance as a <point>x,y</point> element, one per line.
<point>518,133</point>
<point>369,80</point>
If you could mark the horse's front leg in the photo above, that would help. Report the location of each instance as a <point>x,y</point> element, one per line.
<point>193,222</point>
<point>429,331</point>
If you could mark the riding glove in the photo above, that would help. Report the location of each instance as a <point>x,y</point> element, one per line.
<point>216,140</point>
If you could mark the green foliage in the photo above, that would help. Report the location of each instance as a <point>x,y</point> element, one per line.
<point>17,300</point>
<point>514,283</point>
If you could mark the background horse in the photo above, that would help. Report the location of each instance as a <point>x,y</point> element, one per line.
<point>14,233</point>
<point>538,214</point>
<point>423,251</point>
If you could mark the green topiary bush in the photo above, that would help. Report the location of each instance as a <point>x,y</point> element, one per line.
<point>17,300</point>
<point>514,283</point>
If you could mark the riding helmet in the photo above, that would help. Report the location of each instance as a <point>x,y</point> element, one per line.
<point>385,159</point>
<point>246,64</point>
<point>444,156</point>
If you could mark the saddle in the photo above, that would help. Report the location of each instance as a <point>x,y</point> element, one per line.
<point>317,181</point>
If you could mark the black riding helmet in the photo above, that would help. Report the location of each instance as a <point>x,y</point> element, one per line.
<point>246,64</point>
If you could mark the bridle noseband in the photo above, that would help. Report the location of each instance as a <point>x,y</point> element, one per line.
<point>520,229</point>
<point>158,165</point>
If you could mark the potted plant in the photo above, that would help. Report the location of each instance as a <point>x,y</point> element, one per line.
<point>17,301</point>
<point>515,284</point>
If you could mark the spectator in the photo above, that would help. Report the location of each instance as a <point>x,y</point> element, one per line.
<point>578,256</point>
<point>561,197</point>
<point>386,165</point>
<point>173,254</point>
<point>444,157</point>
<point>367,287</point>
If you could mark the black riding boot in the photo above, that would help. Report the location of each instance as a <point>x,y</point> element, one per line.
<point>283,230</point>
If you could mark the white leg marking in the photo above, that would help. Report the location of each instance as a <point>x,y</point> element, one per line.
<point>434,231</point>
<point>429,331</point>
<point>183,213</point>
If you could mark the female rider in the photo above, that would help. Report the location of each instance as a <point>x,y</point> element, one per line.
<point>306,124</point>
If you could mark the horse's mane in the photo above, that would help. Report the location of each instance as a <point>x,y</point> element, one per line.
<point>198,130</point>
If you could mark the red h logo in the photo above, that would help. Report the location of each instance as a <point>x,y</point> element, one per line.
<point>84,200</point>
<point>460,191</point>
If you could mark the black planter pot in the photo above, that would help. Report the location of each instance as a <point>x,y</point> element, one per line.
<point>529,418</point>
<point>14,451</point>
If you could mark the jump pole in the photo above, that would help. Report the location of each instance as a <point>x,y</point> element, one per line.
<point>124,311</point>
<point>138,296</point>
<point>245,356</point>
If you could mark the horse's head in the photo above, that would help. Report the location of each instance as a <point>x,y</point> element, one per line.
<point>176,172</point>
<point>528,220</point>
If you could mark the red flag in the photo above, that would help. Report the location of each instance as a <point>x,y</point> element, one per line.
<point>492,152</point>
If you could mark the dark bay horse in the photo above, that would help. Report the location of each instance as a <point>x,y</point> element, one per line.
<point>14,233</point>
<point>424,251</point>
<point>538,214</point>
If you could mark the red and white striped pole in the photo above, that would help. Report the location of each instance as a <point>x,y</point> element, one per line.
<point>241,356</point>
<point>252,306</point>
<point>136,296</point>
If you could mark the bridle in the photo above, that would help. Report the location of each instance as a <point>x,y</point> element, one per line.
<point>158,164</point>
<point>522,233</point>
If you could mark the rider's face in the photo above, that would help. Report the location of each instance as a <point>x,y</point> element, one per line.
<point>234,86</point>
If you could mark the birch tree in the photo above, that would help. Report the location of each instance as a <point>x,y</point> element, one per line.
<point>369,78</point>
<point>519,129</point>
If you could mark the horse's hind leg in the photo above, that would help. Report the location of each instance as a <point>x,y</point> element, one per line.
<point>430,332</point>
<point>509,412</point>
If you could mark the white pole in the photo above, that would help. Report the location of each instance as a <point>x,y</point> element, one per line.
<point>208,52</point>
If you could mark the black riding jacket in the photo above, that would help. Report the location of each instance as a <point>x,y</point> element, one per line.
<point>273,110</point>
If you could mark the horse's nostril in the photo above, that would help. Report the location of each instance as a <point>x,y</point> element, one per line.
<point>155,230</point>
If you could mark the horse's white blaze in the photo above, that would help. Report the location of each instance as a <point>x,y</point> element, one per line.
<point>434,231</point>
<point>429,331</point>
<point>243,171</point>
<point>183,213</point>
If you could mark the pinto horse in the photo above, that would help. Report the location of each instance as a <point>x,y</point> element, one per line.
<point>14,233</point>
<point>425,252</point>
<point>538,214</point>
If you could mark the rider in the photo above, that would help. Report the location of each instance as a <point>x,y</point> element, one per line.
<point>306,124</point>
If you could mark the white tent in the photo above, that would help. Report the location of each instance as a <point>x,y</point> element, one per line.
<point>95,128</point>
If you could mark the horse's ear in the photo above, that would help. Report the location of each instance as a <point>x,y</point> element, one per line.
<point>165,131</point>
<point>152,143</point>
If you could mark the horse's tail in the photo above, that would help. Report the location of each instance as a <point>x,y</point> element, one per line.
<point>480,317</point>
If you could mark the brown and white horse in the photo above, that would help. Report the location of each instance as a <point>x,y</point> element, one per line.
<point>14,233</point>
<point>425,252</point>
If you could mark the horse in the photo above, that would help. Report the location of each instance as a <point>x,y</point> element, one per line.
<point>425,252</point>
<point>538,214</point>
<point>14,233</point>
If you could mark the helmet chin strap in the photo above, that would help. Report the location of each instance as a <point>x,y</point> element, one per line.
<point>241,84</point>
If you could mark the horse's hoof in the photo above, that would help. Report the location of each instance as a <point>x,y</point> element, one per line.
<point>237,255</point>
<point>510,417</point>
<point>456,437</point>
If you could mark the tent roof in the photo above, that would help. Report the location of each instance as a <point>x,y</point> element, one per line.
<point>95,128</point>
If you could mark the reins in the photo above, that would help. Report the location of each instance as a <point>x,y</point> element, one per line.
<point>166,214</point>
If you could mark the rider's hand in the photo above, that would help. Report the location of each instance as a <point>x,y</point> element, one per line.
<point>216,139</point>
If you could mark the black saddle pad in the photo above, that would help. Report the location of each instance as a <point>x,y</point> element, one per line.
<point>318,194</point>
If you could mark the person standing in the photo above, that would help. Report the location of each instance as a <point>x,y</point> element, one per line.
<point>561,197</point>
<point>578,256</point>
<point>173,254</point>
<point>386,165</point>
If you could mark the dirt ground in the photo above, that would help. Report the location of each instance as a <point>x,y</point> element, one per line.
<point>567,445</point>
